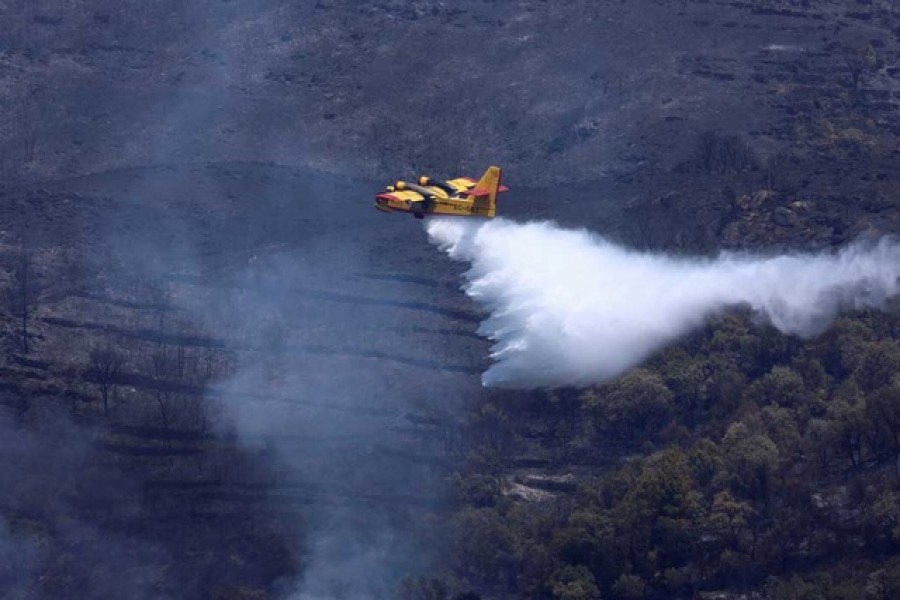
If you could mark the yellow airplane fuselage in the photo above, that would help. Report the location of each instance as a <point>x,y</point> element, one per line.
<point>436,205</point>
<point>461,197</point>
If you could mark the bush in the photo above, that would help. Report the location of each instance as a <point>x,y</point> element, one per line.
<point>716,153</point>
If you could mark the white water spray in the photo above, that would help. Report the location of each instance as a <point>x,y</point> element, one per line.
<point>570,308</point>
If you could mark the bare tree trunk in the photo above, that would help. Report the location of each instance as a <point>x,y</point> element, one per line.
<point>28,119</point>
<point>162,400</point>
<point>24,292</point>
<point>105,368</point>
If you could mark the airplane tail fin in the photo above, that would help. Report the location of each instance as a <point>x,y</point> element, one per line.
<point>489,182</point>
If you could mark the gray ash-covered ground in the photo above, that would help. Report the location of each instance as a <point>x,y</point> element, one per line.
<point>555,92</point>
<point>275,366</point>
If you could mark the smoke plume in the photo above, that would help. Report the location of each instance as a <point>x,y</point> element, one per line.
<point>571,308</point>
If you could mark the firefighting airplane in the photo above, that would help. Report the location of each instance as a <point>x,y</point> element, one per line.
<point>461,196</point>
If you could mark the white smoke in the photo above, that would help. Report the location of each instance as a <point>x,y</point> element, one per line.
<point>570,308</point>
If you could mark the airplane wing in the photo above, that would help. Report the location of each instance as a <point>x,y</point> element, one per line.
<point>461,184</point>
<point>406,195</point>
<point>466,186</point>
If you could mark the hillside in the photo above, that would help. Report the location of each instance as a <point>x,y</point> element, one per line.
<point>226,376</point>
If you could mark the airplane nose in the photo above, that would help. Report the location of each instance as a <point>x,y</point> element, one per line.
<point>382,204</point>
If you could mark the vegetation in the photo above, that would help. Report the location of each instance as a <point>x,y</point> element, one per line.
<point>742,461</point>
<point>738,464</point>
<point>718,153</point>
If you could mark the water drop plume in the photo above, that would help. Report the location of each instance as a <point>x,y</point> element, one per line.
<point>568,307</point>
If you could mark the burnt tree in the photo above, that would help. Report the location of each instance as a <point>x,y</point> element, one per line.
<point>29,121</point>
<point>104,371</point>
<point>162,369</point>
<point>23,292</point>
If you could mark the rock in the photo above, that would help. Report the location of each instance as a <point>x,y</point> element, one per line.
<point>754,202</point>
<point>523,492</point>
<point>554,483</point>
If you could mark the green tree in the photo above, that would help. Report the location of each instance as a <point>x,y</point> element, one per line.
<point>655,519</point>
<point>752,458</point>
<point>485,546</point>
<point>880,362</point>
<point>782,428</point>
<point>884,583</point>
<point>782,386</point>
<point>817,442</point>
<point>586,539</point>
<point>883,408</point>
<point>629,587</point>
<point>636,406</point>
<point>491,428</point>
<point>574,583</point>
<point>798,588</point>
<point>841,348</point>
<point>726,387</point>
<point>881,513</point>
<point>848,422</point>
<point>476,489</point>
<point>706,461</point>
<point>686,376</point>
<point>730,518</point>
